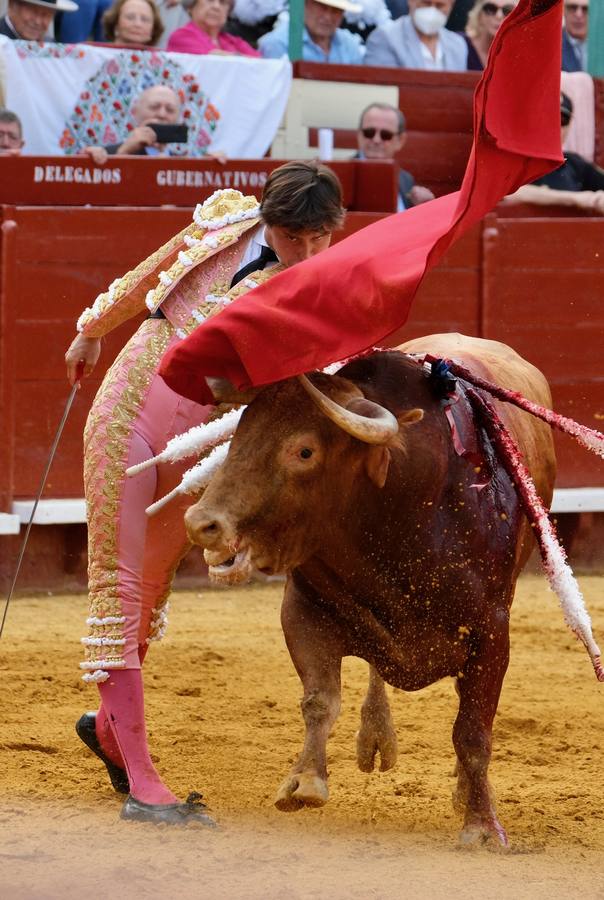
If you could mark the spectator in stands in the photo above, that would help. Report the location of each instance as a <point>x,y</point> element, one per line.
<point>133,22</point>
<point>484,20</point>
<point>381,135</point>
<point>29,20</point>
<point>158,104</point>
<point>574,36</point>
<point>85,24</point>
<point>251,19</point>
<point>576,183</point>
<point>11,133</point>
<point>323,40</point>
<point>205,32</point>
<point>419,40</point>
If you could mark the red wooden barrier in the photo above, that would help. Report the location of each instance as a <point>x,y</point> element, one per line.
<point>58,256</point>
<point>534,283</point>
<point>159,181</point>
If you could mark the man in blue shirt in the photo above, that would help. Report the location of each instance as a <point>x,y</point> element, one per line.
<point>323,40</point>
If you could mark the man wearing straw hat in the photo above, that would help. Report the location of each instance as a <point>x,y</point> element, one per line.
<point>29,20</point>
<point>232,245</point>
<point>323,40</point>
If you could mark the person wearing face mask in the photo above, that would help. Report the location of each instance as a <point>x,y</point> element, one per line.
<point>419,40</point>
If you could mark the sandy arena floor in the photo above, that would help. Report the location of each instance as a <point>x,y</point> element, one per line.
<point>223,713</point>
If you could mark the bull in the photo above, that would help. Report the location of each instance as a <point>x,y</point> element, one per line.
<point>397,548</point>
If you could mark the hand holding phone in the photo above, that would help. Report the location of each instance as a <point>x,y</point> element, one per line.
<point>169,134</point>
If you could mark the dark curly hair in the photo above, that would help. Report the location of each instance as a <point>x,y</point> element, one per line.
<point>303,195</point>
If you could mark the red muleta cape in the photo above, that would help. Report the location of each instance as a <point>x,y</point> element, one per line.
<point>357,294</point>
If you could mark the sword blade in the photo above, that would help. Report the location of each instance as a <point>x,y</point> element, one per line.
<point>51,456</point>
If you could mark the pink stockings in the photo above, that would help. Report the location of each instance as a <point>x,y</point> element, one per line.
<point>123,708</point>
<point>121,732</point>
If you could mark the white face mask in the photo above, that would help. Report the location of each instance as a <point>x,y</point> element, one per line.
<point>428,19</point>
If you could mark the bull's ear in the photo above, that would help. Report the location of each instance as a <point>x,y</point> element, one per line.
<point>377,463</point>
<point>410,417</point>
<point>225,392</point>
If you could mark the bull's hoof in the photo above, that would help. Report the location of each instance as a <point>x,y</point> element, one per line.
<point>301,790</point>
<point>373,738</point>
<point>490,835</point>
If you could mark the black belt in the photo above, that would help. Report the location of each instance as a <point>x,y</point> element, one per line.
<point>158,314</point>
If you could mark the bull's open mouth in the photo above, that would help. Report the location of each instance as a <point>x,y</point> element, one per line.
<point>225,569</point>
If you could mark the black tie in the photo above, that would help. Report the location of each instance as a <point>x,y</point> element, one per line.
<point>267,255</point>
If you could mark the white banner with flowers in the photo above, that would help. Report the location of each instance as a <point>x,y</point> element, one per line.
<point>73,96</point>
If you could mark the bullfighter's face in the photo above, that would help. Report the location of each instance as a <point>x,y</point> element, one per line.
<point>293,247</point>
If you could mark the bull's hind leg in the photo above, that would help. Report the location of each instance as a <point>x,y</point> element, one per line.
<point>479,687</point>
<point>317,655</point>
<point>376,733</point>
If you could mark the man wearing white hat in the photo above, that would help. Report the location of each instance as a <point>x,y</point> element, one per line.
<point>29,20</point>
<point>323,40</point>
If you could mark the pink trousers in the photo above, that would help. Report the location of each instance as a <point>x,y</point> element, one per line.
<point>131,557</point>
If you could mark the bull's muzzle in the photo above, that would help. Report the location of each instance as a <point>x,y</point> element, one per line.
<point>205,528</point>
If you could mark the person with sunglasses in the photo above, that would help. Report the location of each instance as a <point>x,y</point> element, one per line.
<point>577,182</point>
<point>574,36</point>
<point>484,20</point>
<point>382,135</point>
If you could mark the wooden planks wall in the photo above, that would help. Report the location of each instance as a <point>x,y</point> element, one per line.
<point>533,283</point>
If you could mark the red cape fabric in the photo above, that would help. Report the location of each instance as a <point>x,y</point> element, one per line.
<point>357,294</point>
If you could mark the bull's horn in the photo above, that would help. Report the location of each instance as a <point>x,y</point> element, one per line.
<point>376,426</point>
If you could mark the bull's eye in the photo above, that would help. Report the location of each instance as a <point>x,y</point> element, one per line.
<point>305,453</point>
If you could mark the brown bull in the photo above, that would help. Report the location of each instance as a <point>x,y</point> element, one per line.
<point>397,549</point>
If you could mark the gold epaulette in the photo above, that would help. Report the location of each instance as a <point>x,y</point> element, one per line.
<point>217,223</point>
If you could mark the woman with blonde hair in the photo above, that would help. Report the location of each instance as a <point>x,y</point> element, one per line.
<point>484,20</point>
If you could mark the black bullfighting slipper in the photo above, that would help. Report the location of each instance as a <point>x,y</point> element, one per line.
<point>85,730</point>
<point>193,810</point>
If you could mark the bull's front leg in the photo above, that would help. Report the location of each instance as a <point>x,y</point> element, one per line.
<point>316,652</point>
<point>479,688</point>
<point>376,733</point>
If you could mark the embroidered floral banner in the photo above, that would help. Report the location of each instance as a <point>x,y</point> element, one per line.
<point>73,96</point>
